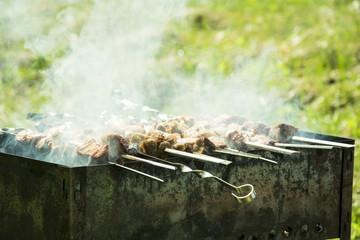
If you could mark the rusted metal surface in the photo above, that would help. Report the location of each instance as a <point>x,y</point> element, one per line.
<point>305,196</point>
<point>346,193</point>
<point>34,199</point>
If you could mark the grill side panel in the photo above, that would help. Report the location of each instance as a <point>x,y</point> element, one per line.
<point>34,199</point>
<point>306,196</point>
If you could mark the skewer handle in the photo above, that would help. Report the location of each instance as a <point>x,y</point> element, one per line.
<point>162,165</point>
<point>271,148</point>
<point>248,189</point>
<point>303,146</point>
<point>138,172</point>
<point>244,154</point>
<point>323,142</point>
<point>200,157</point>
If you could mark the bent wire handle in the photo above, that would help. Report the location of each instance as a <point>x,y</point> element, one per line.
<point>247,190</point>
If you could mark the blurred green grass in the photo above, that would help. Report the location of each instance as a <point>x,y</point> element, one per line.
<point>317,50</point>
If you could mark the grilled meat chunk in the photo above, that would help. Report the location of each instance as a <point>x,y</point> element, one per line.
<point>117,147</point>
<point>256,127</point>
<point>28,136</point>
<point>218,142</point>
<point>236,139</point>
<point>93,152</point>
<point>150,146</point>
<point>282,132</point>
<point>203,145</point>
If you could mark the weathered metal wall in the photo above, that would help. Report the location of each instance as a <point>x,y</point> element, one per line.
<point>34,199</point>
<point>300,198</point>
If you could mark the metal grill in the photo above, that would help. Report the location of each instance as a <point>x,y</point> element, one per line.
<point>304,196</point>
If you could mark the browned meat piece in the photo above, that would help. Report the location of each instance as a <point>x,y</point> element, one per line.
<point>236,139</point>
<point>188,120</point>
<point>179,146</point>
<point>185,144</point>
<point>161,149</point>
<point>137,138</point>
<point>93,151</point>
<point>161,127</point>
<point>28,136</point>
<point>262,139</point>
<point>49,142</point>
<point>256,127</point>
<point>187,141</point>
<point>203,145</point>
<point>282,132</point>
<point>117,147</point>
<point>163,136</point>
<point>173,127</point>
<point>171,138</point>
<point>191,132</point>
<point>220,130</point>
<point>197,132</point>
<point>150,146</point>
<point>218,142</point>
<point>102,154</point>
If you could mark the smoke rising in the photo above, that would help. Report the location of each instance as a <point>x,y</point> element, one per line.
<point>114,50</point>
<point>112,45</point>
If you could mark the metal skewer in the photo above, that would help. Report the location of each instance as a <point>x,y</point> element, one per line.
<point>323,142</point>
<point>130,157</point>
<point>303,146</point>
<point>136,171</point>
<point>200,157</point>
<point>247,189</point>
<point>41,116</point>
<point>271,148</point>
<point>250,192</point>
<point>11,131</point>
<point>243,154</point>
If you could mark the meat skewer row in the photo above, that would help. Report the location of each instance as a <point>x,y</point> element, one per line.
<point>87,152</point>
<point>244,137</point>
<point>160,144</point>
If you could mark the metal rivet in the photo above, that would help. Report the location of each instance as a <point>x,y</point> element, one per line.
<point>286,232</point>
<point>319,227</point>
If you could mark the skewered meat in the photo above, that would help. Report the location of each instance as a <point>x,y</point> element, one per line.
<point>203,145</point>
<point>173,127</point>
<point>282,132</point>
<point>48,142</point>
<point>185,144</point>
<point>256,127</point>
<point>150,146</point>
<point>117,147</point>
<point>236,139</point>
<point>28,136</point>
<point>218,142</point>
<point>137,138</point>
<point>119,137</point>
<point>93,151</point>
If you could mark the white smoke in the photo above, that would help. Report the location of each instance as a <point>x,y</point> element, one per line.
<point>113,50</point>
<point>112,45</point>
